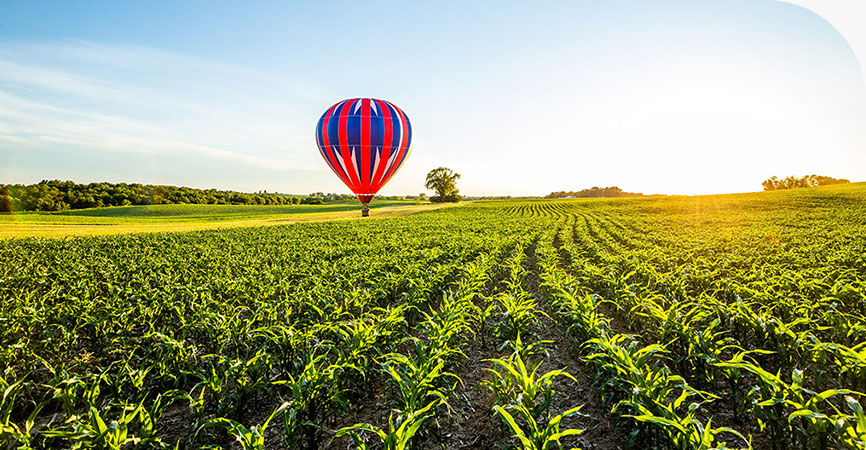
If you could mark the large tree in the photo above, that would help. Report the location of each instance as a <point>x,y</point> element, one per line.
<point>444,181</point>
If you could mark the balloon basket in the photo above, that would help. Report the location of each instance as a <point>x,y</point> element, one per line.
<point>365,211</point>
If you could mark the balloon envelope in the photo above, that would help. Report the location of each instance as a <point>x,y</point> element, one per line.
<point>365,142</point>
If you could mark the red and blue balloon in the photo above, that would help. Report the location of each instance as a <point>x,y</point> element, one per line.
<point>365,141</point>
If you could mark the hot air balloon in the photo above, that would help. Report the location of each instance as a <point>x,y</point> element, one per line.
<point>365,141</point>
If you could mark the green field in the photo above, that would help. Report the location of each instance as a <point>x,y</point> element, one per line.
<point>163,218</point>
<point>728,321</point>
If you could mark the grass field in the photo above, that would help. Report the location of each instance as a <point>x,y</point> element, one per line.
<point>169,218</point>
<point>730,321</point>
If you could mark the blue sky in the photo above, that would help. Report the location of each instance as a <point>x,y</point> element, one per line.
<point>676,97</point>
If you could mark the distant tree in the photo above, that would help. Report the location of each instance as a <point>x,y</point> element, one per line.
<point>422,196</point>
<point>775,184</point>
<point>5,200</point>
<point>770,184</point>
<point>443,181</point>
<point>594,191</point>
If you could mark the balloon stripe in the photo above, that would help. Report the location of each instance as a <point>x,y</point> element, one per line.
<point>398,138</point>
<point>405,155</point>
<point>401,152</point>
<point>365,140</point>
<point>386,143</point>
<point>334,153</point>
<point>344,145</point>
<point>325,145</point>
<point>407,140</point>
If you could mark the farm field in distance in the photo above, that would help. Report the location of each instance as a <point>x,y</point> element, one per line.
<point>728,321</point>
<point>165,218</point>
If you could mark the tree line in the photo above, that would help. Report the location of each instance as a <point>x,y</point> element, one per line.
<point>595,191</point>
<point>56,195</point>
<point>775,184</point>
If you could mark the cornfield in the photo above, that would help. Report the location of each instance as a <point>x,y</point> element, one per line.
<point>686,323</point>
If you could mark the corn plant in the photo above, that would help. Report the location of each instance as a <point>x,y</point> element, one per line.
<point>95,428</point>
<point>851,361</point>
<point>450,324</point>
<point>482,318</point>
<point>398,435</point>
<point>683,429</point>
<point>361,342</point>
<point>739,398</point>
<point>419,381</point>
<point>517,312</point>
<point>518,383</point>
<point>852,428</point>
<point>535,434</point>
<point>21,436</point>
<point>314,400</point>
<point>791,411</point>
<point>248,438</point>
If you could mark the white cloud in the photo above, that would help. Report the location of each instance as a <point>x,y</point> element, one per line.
<point>80,96</point>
